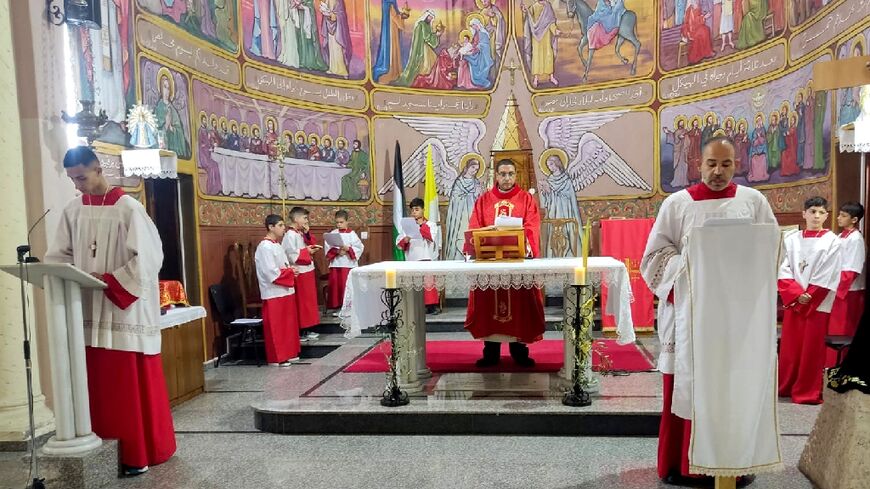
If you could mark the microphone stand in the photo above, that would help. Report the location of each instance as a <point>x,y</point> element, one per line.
<point>36,482</point>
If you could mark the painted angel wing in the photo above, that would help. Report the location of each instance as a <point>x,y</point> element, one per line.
<point>595,158</point>
<point>414,168</point>
<point>565,131</point>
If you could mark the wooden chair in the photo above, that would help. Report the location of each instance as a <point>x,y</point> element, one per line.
<point>682,54</point>
<point>245,274</point>
<point>768,24</point>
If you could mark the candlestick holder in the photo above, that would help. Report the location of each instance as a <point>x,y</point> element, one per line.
<point>580,322</point>
<point>391,319</point>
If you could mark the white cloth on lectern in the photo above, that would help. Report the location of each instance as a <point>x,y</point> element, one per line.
<point>731,333</point>
<point>128,247</point>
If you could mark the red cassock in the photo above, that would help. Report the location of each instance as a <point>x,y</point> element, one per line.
<point>306,288</point>
<point>512,312</point>
<point>696,31</point>
<point>129,403</point>
<point>802,345</point>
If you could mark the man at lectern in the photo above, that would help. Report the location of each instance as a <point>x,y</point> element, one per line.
<point>715,197</point>
<point>507,315</point>
<point>109,235</point>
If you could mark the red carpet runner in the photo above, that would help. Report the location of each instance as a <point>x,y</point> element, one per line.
<point>459,356</point>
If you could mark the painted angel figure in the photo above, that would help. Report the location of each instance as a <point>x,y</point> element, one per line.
<point>576,159</point>
<point>458,167</point>
<point>142,126</point>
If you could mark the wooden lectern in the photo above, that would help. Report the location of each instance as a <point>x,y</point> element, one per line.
<point>63,285</point>
<point>497,243</point>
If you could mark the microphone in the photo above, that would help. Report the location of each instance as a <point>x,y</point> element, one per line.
<point>25,249</point>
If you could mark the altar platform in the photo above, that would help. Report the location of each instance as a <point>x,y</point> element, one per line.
<point>316,396</point>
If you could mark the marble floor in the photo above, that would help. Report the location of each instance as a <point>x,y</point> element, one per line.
<point>218,445</point>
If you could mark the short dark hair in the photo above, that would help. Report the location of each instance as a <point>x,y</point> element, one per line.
<point>272,220</point>
<point>416,202</point>
<point>816,202</point>
<point>504,162</point>
<point>297,211</point>
<point>716,139</point>
<point>342,214</point>
<point>854,209</point>
<point>80,155</point>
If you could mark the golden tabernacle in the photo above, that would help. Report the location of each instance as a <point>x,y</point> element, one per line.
<point>494,243</point>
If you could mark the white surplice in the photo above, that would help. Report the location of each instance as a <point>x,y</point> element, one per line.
<point>420,249</point>
<point>294,244</point>
<point>120,240</point>
<point>345,261</point>
<point>270,258</point>
<point>731,330</point>
<point>813,261</point>
<point>853,252</point>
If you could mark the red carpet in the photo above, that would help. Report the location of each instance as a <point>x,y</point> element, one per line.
<point>459,356</point>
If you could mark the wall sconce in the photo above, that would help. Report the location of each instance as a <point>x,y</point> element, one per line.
<point>75,12</point>
<point>90,124</point>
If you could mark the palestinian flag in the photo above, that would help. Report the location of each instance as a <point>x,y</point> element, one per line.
<point>398,202</point>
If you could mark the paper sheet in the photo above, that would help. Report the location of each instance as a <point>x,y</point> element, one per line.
<point>410,228</point>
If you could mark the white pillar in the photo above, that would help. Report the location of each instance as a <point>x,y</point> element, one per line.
<point>14,423</point>
<point>411,338</point>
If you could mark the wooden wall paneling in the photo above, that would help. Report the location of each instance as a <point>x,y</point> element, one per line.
<point>168,356</point>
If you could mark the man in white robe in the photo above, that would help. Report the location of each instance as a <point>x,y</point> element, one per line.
<point>849,302</point>
<point>662,268</point>
<point>109,235</point>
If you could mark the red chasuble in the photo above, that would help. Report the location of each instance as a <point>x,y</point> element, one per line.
<point>517,313</point>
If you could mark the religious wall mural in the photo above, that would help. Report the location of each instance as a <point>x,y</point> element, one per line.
<point>848,99</point>
<point>695,31</point>
<point>165,92</point>
<point>573,42</point>
<point>782,130</point>
<point>801,11</point>
<point>438,44</point>
<point>215,21</point>
<point>321,37</point>
<point>581,149</point>
<point>254,149</point>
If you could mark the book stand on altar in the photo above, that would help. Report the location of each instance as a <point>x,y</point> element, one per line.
<point>497,244</point>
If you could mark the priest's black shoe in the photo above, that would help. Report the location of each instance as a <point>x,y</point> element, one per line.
<point>681,480</point>
<point>520,354</point>
<point>491,354</point>
<point>486,362</point>
<point>525,362</point>
<point>745,480</point>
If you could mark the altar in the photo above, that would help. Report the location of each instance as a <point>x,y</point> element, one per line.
<point>255,175</point>
<point>364,309</point>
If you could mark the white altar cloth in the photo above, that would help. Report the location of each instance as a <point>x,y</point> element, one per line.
<point>362,302</point>
<point>254,175</point>
<point>181,315</point>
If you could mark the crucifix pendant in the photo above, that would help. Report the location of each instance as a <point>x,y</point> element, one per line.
<point>803,265</point>
<point>94,249</point>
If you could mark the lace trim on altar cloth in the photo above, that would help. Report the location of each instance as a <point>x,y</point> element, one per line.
<point>136,329</point>
<point>463,282</point>
<point>755,469</point>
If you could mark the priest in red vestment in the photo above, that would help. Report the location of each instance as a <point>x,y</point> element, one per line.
<point>109,235</point>
<point>507,315</point>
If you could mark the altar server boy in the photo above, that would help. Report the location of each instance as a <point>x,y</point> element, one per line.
<point>341,259</point>
<point>277,278</point>
<point>301,248</point>
<point>849,301</point>
<point>809,272</point>
<point>425,248</point>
